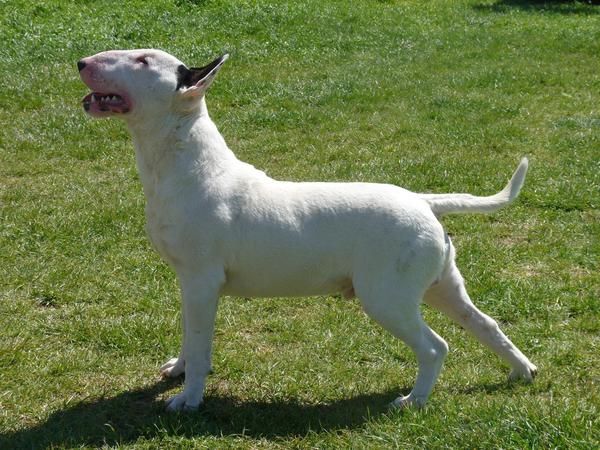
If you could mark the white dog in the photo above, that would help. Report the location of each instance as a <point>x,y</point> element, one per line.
<point>227,228</point>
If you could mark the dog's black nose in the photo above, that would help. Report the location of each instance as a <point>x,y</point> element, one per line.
<point>81,65</point>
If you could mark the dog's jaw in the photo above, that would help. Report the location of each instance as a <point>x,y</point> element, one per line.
<point>102,105</point>
<point>106,99</point>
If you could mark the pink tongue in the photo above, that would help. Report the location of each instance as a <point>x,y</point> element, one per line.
<point>118,107</point>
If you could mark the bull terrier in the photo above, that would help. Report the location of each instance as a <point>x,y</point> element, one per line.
<point>227,228</point>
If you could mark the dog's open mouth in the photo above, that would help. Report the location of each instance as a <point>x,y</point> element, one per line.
<point>99,104</point>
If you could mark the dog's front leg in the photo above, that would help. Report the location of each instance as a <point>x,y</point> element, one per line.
<point>175,367</point>
<point>200,294</point>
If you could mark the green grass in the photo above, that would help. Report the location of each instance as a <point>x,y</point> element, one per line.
<point>434,96</point>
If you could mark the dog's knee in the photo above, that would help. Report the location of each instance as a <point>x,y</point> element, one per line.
<point>436,351</point>
<point>441,348</point>
<point>485,323</point>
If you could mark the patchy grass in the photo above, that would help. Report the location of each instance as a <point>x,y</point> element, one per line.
<point>434,96</point>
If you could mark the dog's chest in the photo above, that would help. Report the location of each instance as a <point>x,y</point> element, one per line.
<point>162,232</point>
<point>179,226</point>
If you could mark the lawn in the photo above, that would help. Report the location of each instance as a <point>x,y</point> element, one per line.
<point>435,96</point>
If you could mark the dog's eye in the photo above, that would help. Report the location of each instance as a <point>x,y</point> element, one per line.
<point>142,60</point>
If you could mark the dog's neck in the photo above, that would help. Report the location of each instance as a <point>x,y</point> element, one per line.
<point>179,145</point>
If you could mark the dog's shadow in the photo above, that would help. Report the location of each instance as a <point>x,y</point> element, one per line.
<point>140,414</point>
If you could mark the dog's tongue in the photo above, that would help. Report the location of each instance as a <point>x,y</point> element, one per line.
<point>96,102</point>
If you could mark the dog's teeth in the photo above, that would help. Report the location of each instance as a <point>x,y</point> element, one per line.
<point>93,98</point>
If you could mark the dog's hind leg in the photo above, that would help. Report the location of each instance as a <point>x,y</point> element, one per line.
<point>449,295</point>
<point>400,315</point>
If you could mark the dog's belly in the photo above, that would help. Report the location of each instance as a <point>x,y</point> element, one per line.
<point>295,277</point>
<point>241,286</point>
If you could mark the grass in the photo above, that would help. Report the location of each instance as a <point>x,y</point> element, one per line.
<point>435,96</point>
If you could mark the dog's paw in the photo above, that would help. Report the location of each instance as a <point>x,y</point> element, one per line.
<point>526,373</point>
<point>181,403</point>
<point>172,368</point>
<point>408,401</point>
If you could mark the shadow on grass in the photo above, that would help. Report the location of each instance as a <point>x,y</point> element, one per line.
<point>502,387</point>
<point>586,7</point>
<point>139,414</point>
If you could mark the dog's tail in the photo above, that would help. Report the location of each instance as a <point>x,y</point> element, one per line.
<point>442,204</point>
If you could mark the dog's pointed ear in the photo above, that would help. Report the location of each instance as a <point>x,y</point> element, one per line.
<point>194,81</point>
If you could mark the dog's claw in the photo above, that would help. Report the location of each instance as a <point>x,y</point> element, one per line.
<point>408,401</point>
<point>178,403</point>
<point>526,374</point>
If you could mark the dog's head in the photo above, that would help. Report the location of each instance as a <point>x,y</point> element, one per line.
<point>137,83</point>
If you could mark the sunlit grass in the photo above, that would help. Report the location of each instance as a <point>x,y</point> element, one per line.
<point>434,96</point>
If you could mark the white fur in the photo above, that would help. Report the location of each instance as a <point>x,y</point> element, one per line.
<point>227,228</point>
